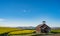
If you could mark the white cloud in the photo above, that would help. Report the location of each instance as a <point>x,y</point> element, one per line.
<point>2,19</point>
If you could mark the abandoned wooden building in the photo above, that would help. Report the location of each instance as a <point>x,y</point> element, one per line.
<point>43,28</point>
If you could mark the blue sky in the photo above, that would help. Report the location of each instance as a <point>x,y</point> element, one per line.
<point>15,13</point>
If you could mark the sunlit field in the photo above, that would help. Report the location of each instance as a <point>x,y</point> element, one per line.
<point>14,31</point>
<point>23,32</point>
<point>7,29</point>
<point>18,31</point>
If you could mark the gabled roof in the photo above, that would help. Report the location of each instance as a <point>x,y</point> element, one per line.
<point>40,25</point>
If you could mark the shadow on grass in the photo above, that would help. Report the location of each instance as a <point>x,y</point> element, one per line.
<point>56,32</point>
<point>4,34</point>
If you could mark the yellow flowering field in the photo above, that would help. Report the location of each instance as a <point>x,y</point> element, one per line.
<point>7,29</point>
<point>22,32</point>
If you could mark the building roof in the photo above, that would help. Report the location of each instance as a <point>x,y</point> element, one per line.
<point>40,25</point>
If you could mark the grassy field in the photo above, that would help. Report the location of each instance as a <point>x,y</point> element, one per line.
<point>7,29</point>
<point>55,31</point>
<point>15,31</point>
<point>18,31</point>
<point>22,32</point>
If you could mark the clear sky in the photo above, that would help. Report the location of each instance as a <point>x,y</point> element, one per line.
<point>15,13</point>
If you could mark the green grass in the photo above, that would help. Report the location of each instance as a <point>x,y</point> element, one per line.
<point>55,31</point>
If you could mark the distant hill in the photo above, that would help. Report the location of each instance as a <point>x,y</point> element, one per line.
<point>55,28</point>
<point>30,27</point>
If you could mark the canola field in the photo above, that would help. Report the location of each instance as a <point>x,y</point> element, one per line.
<point>7,29</point>
<point>15,31</point>
<point>22,32</point>
<point>18,31</point>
